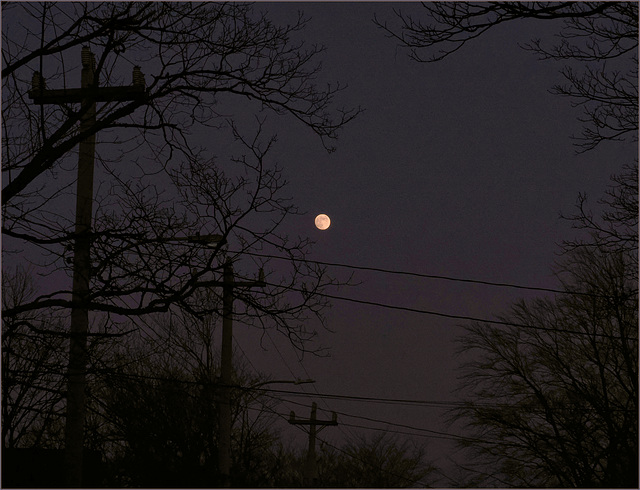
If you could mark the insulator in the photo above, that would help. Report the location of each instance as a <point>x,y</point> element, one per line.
<point>37,81</point>
<point>87,57</point>
<point>138,77</point>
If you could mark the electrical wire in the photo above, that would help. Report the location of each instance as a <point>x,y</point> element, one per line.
<point>368,399</point>
<point>442,404</point>
<point>353,456</point>
<point>455,317</point>
<point>426,276</point>
<point>431,435</point>
<point>422,432</point>
<point>419,431</point>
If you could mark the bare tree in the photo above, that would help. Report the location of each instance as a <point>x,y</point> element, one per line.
<point>32,381</point>
<point>206,65</point>
<point>553,400</point>
<point>195,57</point>
<point>186,158</point>
<point>380,461</point>
<point>601,38</point>
<point>155,404</point>
<point>616,229</point>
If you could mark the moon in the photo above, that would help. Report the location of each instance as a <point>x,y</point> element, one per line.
<point>322,222</point>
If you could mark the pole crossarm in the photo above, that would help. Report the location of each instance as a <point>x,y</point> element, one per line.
<point>310,467</point>
<point>294,421</point>
<point>41,95</point>
<point>77,95</point>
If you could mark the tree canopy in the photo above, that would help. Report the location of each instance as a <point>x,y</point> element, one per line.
<point>597,41</point>
<point>557,404</point>
<point>218,69</point>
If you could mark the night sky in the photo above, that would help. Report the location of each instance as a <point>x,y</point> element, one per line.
<point>459,168</point>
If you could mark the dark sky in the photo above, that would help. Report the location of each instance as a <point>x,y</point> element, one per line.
<point>458,168</point>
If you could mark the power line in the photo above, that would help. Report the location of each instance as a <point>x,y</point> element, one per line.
<point>369,399</point>
<point>353,456</point>
<point>418,431</point>
<point>455,317</point>
<point>427,276</point>
<point>450,404</point>
<point>430,433</point>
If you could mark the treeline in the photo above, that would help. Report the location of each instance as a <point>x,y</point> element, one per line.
<point>152,413</point>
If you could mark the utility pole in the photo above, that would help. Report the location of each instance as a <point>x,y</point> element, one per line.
<point>87,95</point>
<point>224,449</point>
<point>310,470</point>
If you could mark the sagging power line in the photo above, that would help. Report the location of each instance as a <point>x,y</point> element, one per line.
<point>428,276</point>
<point>456,317</point>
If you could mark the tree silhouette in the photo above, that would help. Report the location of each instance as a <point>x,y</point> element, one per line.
<point>206,67</point>
<point>379,461</point>
<point>154,407</point>
<point>599,37</point>
<point>185,159</point>
<point>559,407</point>
<point>194,56</point>
<point>32,381</point>
<point>549,406</point>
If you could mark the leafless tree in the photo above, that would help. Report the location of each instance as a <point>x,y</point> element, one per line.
<point>597,40</point>
<point>553,400</point>
<point>154,406</point>
<point>379,461</point>
<point>187,157</point>
<point>196,56</point>
<point>207,66</point>
<point>616,229</point>
<point>32,381</point>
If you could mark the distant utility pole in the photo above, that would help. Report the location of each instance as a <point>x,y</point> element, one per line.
<point>224,449</point>
<point>87,95</point>
<point>310,470</point>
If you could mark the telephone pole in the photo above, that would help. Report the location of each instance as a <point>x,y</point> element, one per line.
<point>310,470</point>
<point>226,368</point>
<point>87,95</point>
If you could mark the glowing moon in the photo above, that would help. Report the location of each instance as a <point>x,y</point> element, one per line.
<point>322,222</point>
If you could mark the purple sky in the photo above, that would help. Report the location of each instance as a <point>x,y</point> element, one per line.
<point>458,168</point>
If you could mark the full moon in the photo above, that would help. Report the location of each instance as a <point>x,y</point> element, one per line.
<point>322,222</point>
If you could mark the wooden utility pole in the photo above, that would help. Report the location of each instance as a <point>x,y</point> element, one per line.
<point>310,469</point>
<point>87,95</point>
<point>226,368</point>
